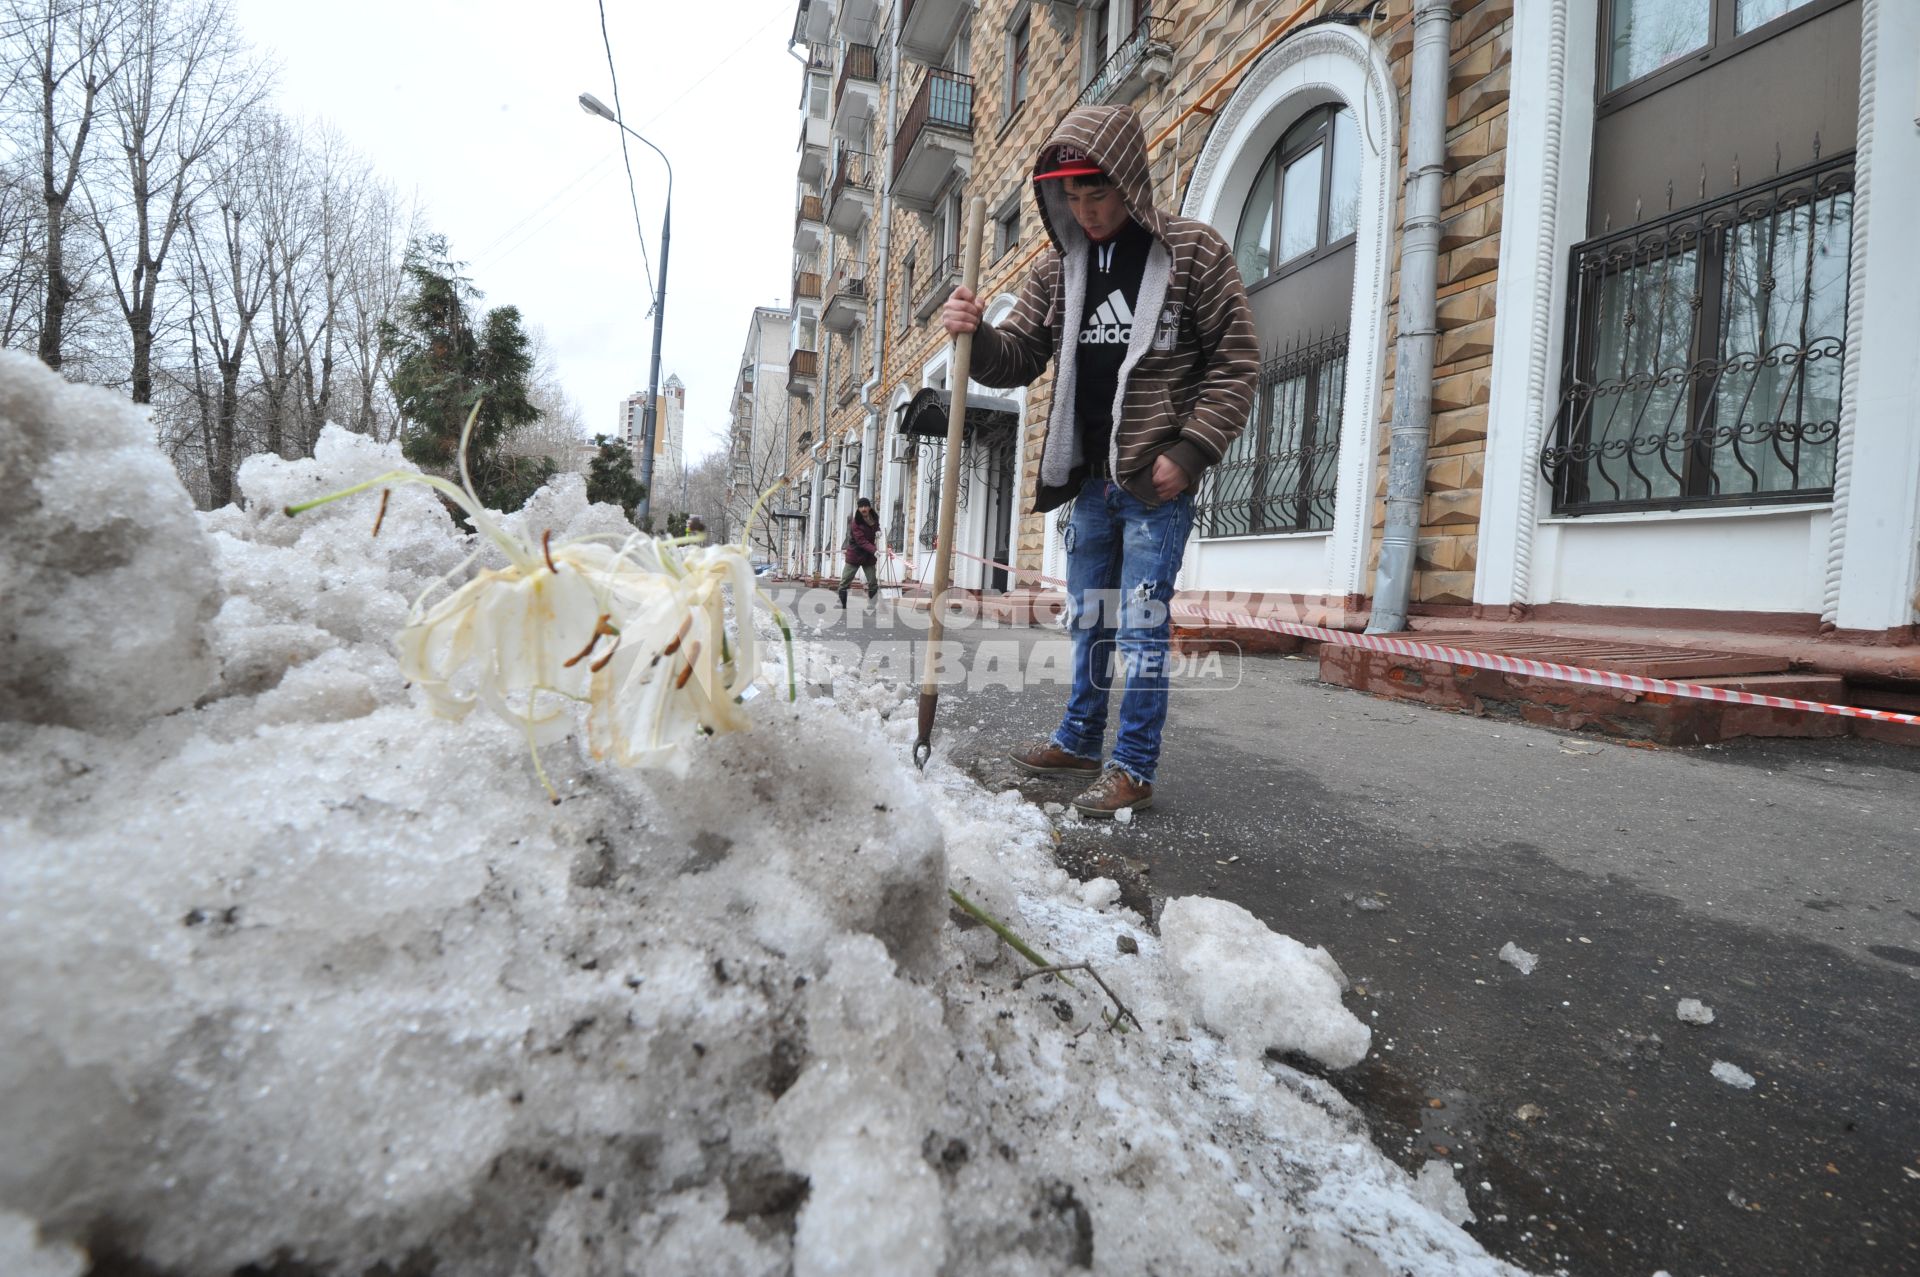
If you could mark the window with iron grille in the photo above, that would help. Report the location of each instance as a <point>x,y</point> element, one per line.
<point>1282,473</point>
<point>1705,352</point>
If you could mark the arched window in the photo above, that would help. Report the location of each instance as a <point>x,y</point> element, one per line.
<point>1305,200</point>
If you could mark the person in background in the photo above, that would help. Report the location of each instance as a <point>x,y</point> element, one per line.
<point>862,549</point>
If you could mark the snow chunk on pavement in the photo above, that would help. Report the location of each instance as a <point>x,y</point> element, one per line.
<point>1441,1193</point>
<point>107,582</point>
<point>23,1255</point>
<point>1518,958</point>
<point>1694,1011</point>
<point>1259,989</point>
<point>1732,1075</point>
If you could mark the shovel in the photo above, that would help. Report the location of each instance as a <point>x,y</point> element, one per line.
<point>949,485</point>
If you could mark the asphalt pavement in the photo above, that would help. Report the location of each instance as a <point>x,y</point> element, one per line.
<point>1777,882</point>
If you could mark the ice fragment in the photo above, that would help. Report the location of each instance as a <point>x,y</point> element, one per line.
<point>1513,955</point>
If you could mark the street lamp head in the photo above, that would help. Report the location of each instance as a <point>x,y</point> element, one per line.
<point>594,106</point>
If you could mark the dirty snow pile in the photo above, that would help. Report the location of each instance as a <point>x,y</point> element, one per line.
<point>301,977</point>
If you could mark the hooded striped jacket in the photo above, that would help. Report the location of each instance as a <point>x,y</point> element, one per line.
<point>1186,385</point>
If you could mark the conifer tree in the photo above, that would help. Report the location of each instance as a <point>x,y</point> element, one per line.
<point>444,364</point>
<point>610,477</point>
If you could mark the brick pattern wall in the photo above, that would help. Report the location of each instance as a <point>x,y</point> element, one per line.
<point>1213,42</point>
<point>1471,205</point>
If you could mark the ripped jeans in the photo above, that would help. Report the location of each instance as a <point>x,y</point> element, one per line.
<point>1122,557</point>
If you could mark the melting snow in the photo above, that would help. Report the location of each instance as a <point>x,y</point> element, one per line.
<point>300,975</point>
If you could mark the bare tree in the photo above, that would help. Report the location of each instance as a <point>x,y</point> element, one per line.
<point>66,53</point>
<point>560,432</point>
<point>375,252</point>
<point>230,265</point>
<point>289,230</point>
<point>187,82</point>
<point>22,259</point>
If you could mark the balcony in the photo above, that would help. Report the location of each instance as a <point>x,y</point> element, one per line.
<point>940,282</point>
<point>850,190</point>
<point>857,94</point>
<point>935,140</point>
<point>803,372</point>
<point>927,28</point>
<point>806,276</point>
<point>856,18</point>
<point>845,387</point>
<point>814,132</point>
<point>806,224</point>
<point>846,306</point>
<point>813,22</point>
<point>1143,58</point>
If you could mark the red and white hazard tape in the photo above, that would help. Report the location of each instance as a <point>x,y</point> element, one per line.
<point>1188,612</point>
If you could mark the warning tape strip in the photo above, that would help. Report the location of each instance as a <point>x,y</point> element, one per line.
<point>1496,661</point>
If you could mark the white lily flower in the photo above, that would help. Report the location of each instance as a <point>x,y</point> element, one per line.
<point>637,632</point>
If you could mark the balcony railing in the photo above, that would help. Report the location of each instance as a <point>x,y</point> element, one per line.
<point>846,296</point>
<point>802,365</point>
<point>945,101</point>
<point>845,388</point>
<point>819,55</point>
<point>1127,62</point>
<point>806,275</point>
<point>944,274</point>
<point>852,171</point>
<point>1282,474</point>
<point>809,210</point>
<point>1706,353</point>
<point>860,64</point>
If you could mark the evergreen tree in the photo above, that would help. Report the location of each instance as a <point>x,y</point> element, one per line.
<point>443,365</point>
<point>611,479</point>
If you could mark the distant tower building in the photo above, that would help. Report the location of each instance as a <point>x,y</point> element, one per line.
<point>669,433</point>
<point>669,457</point>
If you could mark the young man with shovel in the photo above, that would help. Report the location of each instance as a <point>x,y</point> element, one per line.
<point>1146,322</point>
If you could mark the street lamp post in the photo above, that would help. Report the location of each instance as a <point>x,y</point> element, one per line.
<point>594,106</point>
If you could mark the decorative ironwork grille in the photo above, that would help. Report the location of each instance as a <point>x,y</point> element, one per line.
<point>930,461</point>
<point>1281,474</point>
<point>1133,48</point>
<point>897,525</point>
<point>1705,353</point>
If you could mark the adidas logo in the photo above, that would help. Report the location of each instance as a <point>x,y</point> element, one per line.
<point>1110,324</point>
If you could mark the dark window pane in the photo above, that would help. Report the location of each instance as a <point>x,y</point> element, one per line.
<point>1300,205</point>
<point>1253,241</point>
<point>1753,13</point>
<point>1302,131</point>
<point>1643,344</point>
<point>1783,330</point>
<point>1343,200</point>
<point>1648,34</point>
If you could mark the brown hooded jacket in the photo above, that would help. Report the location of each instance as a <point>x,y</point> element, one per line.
<point>1186,385</point>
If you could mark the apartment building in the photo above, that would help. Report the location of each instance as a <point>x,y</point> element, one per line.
<point>1671,386</point>
<point>759,437</point>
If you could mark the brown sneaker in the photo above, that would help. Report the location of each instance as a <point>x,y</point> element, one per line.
<point>1114,791</point>
<point>1048,759</point>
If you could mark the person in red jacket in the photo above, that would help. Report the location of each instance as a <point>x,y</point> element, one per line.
<point>862,549</point>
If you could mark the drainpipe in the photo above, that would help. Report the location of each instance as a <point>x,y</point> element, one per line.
<point>875,430</point>
<point>1419,281</point>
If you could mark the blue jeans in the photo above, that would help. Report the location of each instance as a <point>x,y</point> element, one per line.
<point>1122,557</point>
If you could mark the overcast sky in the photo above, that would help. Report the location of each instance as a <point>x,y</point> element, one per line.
<point>470,106</point>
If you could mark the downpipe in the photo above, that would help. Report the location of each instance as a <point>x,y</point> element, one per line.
<point>1418,326</point>
<point>874,430</point>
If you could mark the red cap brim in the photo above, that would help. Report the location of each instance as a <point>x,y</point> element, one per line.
<point>1072,170</point>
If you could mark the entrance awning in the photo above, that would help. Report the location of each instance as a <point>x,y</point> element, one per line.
<point>925,415</point>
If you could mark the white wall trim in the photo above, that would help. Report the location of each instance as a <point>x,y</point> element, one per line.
<point>1549,152</point>
<point>1322,64</point>
<point>1876,540</point>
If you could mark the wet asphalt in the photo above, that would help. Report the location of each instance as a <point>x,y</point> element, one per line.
<point>1776,881</point>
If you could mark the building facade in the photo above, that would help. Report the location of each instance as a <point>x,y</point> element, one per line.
<point>1670,384</point>
<point>759,439</point>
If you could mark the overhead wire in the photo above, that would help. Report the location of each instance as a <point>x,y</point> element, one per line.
<point>625,157</point>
